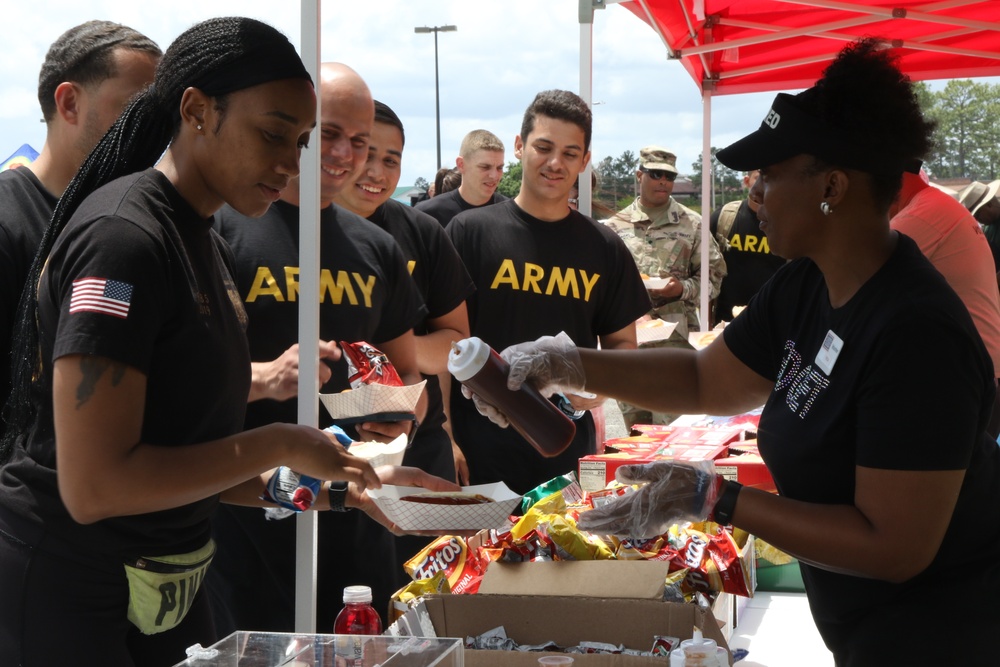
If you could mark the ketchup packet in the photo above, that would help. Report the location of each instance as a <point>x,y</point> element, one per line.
<point>366,364</point>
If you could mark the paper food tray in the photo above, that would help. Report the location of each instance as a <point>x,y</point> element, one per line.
<point>371,399</point>
<point>654,283</point>
<point>649,331</point>
<point>380,453</point>
<point>702,339</point>
<point>426,516</point>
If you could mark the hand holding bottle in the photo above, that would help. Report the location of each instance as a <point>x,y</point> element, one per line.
<point>551,363</point>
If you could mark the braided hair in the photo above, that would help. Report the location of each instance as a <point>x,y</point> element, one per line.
<point>218,56</point>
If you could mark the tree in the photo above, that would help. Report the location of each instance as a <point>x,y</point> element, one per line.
<point>967,138</point>
<point>616,180</point>
<point>727,185</point>
<point>510,183</point>
<point>421,183</point>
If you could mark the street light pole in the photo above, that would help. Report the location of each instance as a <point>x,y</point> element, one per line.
<point>437,88</point>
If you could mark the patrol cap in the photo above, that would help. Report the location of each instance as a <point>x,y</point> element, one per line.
<point>791,128</point>
<point>976,195</point>
<point>657,157</point>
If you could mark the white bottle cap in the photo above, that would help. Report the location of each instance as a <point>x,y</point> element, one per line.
<point>357,594</point>
<point>467,357</point>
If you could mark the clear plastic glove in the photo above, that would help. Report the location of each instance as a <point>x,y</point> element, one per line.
<point>671,493</point>
<point>551,363</point>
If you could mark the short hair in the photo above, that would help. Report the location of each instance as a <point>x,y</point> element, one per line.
<point>218,56</point>
<point>384,114</point>
<point>479,140</point>
<point>85,55</point>
<point>561,105</point>
<point>450,181</point>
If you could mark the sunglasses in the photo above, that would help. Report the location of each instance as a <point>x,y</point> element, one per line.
<point>658,174</point>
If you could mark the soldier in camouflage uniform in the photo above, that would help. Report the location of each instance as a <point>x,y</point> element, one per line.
<point>665,240</point>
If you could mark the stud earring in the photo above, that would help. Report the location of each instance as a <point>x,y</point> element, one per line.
<point>199,129</point>
<point>825,207</point>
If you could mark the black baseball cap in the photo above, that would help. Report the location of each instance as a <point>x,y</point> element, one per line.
<point>792,128</point>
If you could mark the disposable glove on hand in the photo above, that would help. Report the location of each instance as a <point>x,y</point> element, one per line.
<point>672,493</point>
<point>486,409</point>
<point>551,363</point>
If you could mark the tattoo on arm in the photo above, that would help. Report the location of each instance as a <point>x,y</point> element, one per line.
<point>92,368</point>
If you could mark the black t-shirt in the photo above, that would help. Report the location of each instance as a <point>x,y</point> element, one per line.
<point>446,206</point>
<point>536,278</point>
<point>168,307</point>
<point>749,262</point>
<point>438,272</point>
<point>911,389</point>
<point>25,209</point>
<point>366,293</point>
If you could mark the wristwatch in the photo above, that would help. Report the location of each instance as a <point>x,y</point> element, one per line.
<point>722,513</point>
<point>338,497</point>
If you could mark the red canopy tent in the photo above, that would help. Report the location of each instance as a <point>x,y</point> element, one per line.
<point>746,46</point>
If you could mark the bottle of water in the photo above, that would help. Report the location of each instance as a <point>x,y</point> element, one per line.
<point>358,617</point>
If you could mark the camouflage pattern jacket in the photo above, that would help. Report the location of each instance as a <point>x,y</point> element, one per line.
<point>666,241</point>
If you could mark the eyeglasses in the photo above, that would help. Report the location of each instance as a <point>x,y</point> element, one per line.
<point>658,174</point>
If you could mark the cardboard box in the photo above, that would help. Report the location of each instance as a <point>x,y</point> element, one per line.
<point>568,602</point>
<point>619,602</point>
<point>566,620</point>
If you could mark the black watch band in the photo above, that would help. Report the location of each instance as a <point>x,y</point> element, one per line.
<point>338,497</point>
<point>722,514</point>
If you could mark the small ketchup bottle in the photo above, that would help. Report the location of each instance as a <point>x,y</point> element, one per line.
<point>476,365</point>
<point>358,617</point>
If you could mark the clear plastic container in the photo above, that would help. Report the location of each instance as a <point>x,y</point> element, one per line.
<point>476,365</point>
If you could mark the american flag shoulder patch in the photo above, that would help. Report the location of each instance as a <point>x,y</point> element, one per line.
<point>101,295</point>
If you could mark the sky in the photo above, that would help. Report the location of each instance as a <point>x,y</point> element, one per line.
<point>502,54</point>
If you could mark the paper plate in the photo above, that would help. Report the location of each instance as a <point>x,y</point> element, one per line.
<point>426,516</point>
<point>654,283</point>
<point>649,331</point>
<point>371,399</point>
<point>381,453</point>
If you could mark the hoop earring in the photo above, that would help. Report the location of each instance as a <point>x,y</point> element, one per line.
<point>825,207</point>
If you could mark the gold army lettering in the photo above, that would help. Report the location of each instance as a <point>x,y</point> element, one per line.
<point>750,243</point>
<point>566,282</point>
<point>266,285</point>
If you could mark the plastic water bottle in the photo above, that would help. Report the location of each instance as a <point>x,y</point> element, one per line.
<point>358,617</point>
<point>476,365</point>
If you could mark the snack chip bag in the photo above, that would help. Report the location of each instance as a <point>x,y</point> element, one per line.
<point>366,364</point>
<point>413,591</point>
<point>450,554</point>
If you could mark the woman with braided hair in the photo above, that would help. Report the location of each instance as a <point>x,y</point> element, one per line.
<point>132,371</point>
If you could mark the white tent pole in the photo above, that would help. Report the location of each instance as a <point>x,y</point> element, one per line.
<point>306,523</point>
<point>707,186</point>
<point>585,192</point>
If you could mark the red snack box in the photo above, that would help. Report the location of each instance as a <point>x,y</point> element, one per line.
<point>747,469</point>
<point>595,471</point>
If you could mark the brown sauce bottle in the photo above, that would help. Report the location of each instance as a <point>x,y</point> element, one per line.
<point>476,365</point>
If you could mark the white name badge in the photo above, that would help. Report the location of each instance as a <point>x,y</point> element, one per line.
<point>827,355</point>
